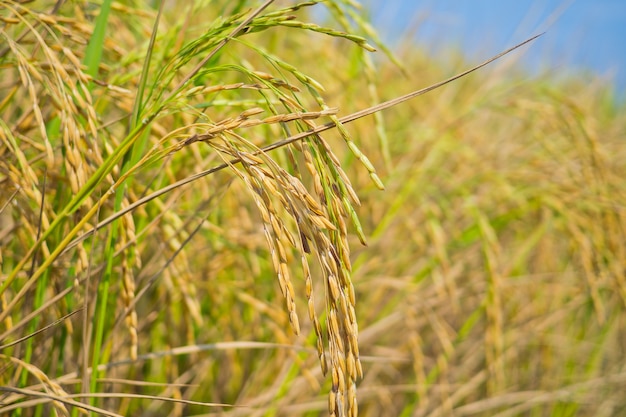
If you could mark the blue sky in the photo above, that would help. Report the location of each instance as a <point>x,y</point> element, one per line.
<point>580,34</point>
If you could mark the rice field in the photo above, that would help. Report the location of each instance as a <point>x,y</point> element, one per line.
<point>196,220</point>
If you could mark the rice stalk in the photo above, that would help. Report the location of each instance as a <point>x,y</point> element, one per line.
<point>143,234</point>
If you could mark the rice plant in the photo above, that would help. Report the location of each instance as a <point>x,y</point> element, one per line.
<point>178,184</point>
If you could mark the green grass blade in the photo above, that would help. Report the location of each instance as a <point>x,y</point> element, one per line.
<point>93,53</point>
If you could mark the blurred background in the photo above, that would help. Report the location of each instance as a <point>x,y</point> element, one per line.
<point>581,35</point>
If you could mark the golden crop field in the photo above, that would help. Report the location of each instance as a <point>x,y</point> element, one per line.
<point>196,219</point>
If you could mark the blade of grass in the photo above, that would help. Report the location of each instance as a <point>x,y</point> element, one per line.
<point>93,53</point>
<point>138,148</point>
